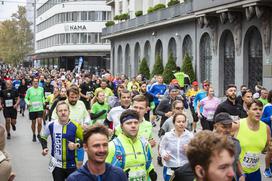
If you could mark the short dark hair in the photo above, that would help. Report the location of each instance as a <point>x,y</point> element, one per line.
<point>129,113</point>
<point>231,85</point>
<point>246,91</point>
<point>178,114</point>
<point>206,144</point>
<point>73,89</point>
<point>95,129</point>
<point>256,101</point>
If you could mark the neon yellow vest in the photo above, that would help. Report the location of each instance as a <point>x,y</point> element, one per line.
<point>252,144</point>
<point>135,158</point>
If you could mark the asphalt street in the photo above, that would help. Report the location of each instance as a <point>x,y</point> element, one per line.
<point>30,165</point>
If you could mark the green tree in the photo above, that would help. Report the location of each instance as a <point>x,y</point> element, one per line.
<point>187,67</point>
<point>158,66</point>
<point>16,38</point>
<point>170,67</point>
<point>144,69</point>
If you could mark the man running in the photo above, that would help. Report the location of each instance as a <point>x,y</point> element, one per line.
<point>64,134</point>
<point>35,100</point>
<point>10,101</point>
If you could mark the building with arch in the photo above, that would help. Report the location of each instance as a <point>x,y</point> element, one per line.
<point>69,31</point>
<point>228,41</point>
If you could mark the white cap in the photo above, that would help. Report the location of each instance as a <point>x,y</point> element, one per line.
<point>62,77</point>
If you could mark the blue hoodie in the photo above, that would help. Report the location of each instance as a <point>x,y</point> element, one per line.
<point>111,174</point>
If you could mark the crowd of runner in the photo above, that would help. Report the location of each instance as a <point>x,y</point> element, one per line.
<point>102,126</point>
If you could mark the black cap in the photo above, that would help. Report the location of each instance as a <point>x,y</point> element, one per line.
<point>223,118</point>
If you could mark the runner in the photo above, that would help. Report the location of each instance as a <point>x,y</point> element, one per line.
<point>9,101</point>
<point>35,100</point>
<point>131,152</point>
<point>64,133</point>
<point>95,143</point>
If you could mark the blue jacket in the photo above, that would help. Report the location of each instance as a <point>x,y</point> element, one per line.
<point>111,174</point>
<point>157,89</point>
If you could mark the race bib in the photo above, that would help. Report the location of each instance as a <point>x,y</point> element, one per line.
<point>36,105</point>
<point>137,176</point>
<point>9,103</point>
<point>169,171</point>
<point>251,160</point>
<point>210,115</point>
<point>52,164</point>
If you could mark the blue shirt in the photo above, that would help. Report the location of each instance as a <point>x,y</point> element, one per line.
<point>198,98</point>
<point>157,89</point>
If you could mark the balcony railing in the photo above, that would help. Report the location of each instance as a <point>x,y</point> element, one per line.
<point>178,10</point>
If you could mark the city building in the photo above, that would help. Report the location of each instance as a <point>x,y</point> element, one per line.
<point>229,41</point>
<point>68,34</point>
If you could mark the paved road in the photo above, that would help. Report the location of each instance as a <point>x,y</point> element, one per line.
<point>27,161</point>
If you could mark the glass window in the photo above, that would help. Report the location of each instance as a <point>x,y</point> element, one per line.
<point>83,37</point>
<point>98,15</point>
<point>91,16</point>
<point>108,15</point>
<point>104,15</point>
<point>84,15</point>
<point>75,38</point>
<point>62,39</point>
<point>69,16</point>
<point>67,38</point>
<point>97,38</point>
<point>62,17</point>
<point>74,16</point>
<point>89,38</point>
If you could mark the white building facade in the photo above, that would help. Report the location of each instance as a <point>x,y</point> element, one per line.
<point>68,31</point>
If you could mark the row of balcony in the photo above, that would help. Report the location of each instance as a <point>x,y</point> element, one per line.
<point>148,19</point>
<point>179,10</point>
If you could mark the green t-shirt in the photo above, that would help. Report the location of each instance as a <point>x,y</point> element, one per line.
<point>264,101</point>
<point>96,108</point>
<point>35,99</point>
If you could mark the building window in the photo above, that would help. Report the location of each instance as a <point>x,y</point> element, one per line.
<point>62,39</point>
<point>89,38</point>
<point>84,16</point>
<point>98,15</point>
<point>83,38</point>
<point>75,38</point>
<point>75,16</point>
<point>67,38</point>
<point>104,15</point>
<point>91,16</point>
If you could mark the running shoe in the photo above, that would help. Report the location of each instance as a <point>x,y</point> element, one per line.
<point>13,127</point>
<point>34,138</point>
<point>8,136</point>
<point>267,173</point>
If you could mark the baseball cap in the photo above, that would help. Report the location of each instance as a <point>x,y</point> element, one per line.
<point>195,83</point>
<point>223,118</point>
<point>62,77</point>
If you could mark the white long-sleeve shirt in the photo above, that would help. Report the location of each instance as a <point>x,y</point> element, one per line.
<point>174,145</point>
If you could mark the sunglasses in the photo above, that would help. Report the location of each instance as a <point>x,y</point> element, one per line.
<point>206,85</point>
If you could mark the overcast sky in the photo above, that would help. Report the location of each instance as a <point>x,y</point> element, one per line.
<point>9,7</point>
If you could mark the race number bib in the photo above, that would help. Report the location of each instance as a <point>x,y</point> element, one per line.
<point>210,115</point>
<point>36,105</point>
<point>137,176</point>
<point>251,160</point>
<point>9,103</point>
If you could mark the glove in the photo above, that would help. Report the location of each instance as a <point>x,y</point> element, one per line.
<point>153,175</point>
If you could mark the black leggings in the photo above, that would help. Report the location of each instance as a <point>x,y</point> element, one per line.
<point>60,174</point>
